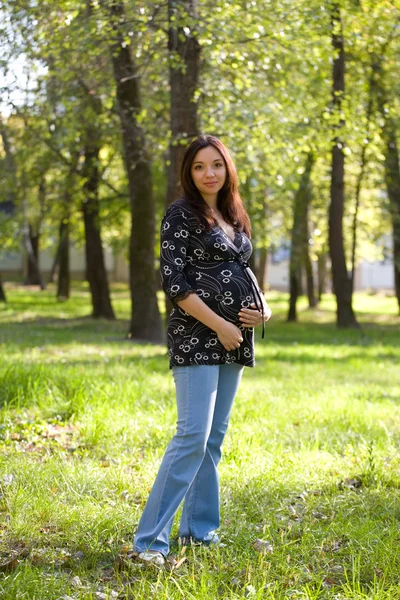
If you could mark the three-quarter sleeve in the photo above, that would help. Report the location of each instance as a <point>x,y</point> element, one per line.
<point>174,241</point>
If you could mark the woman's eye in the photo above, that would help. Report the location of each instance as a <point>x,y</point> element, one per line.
<point>197,168</point>
<point>218,164</point>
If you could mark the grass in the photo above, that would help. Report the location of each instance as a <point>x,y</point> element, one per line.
<point>311,461</point>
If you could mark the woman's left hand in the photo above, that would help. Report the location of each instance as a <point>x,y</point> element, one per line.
<point>251,317</point>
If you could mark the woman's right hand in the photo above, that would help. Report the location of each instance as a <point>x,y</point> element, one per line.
<point>229,335</point>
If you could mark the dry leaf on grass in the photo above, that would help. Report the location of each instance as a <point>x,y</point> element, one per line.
<point>180,562</point>
<point>329,582</point>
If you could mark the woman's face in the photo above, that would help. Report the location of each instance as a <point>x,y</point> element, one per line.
<point>208,171</point>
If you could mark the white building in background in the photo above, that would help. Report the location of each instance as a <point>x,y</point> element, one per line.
<point>13,265</point>
<point>369,275</point>
<point>377,275</point>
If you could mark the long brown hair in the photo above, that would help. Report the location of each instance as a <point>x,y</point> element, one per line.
<point>229,201</point>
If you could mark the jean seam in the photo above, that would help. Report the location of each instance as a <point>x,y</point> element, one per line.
<point>190,521</point>
<point>195,494</point>
<point>192,511</point>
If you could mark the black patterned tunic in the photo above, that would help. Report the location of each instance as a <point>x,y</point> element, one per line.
<point>210,264</point>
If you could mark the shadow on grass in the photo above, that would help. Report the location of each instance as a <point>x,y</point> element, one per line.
<point>278,331</point>
<point>85,330</point>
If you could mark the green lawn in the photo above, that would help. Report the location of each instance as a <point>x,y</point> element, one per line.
<point>311,461</point>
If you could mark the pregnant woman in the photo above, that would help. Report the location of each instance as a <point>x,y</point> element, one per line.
<point>205,246</point>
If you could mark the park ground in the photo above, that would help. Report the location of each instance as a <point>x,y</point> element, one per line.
<point>311,464</point>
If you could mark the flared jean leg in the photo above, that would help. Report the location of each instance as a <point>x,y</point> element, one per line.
<point>196,393</point>
<point>201,510</point>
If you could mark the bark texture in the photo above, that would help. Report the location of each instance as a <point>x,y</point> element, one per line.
<point>145,321</point>
<point>308,267</point>
<point>299,251</point>
<point>33,275</point>
<point>345,316</point>
<point>363,164</point>
<point>63,281</point>
<point>322,273</point>
<point>392,180</point>
<point>392,168</point>
<point>95,263</point>
<point>262,268</point>
<point>2,292</point>
<point>184,52</point>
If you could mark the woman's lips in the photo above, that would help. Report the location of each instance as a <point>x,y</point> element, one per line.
<point>211,183</point>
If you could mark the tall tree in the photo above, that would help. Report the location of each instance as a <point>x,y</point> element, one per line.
<point>145,319</point>
<point>2,292</point>
<point>341,281</point>
<point>64,278</point>
<point>392,174</point>
<point>184,65</point>
<point>33,272</point>
<point>95,264</point>
<point>299,253</point>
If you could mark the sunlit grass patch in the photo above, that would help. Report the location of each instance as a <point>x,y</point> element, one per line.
<point>310,464</point>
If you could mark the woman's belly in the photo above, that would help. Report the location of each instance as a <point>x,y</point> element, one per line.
<point>223,286</point>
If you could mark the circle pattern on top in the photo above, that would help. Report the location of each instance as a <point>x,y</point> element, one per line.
<point>208,263</point>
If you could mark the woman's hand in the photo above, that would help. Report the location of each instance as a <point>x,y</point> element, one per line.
<point>229,335</point>
<point>253,317</point>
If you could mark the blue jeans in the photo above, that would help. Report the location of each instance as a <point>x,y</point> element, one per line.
<point>205,394</point>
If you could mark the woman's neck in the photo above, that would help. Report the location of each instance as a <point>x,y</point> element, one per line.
<point>211,201</point>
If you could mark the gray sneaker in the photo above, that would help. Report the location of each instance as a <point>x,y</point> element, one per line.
<point>151,557</point>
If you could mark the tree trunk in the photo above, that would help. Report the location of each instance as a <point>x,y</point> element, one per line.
<point>363,163</point>
<point>33,266</point>
<point>322,272</point>
<point>392,180</point>
<point>63,283</point>
<point>262,268</point>
<point>145,321</point>
<point>392,170</point>
<point>95,263</point>
<point>263,248</point>
<point>340,276</point>
<point>54,266</point>
<point>184,52</point>
<point>253,261</point>
<point>62,257</point>
<point>2,292</point>
<point>312,300</point>
<point>355,219</point>
<point>34,277</point>
<point>299,238</point>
